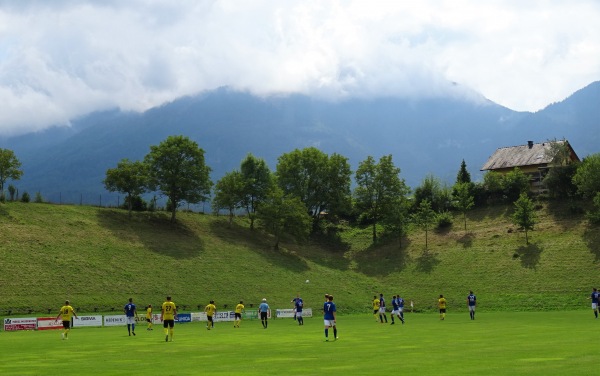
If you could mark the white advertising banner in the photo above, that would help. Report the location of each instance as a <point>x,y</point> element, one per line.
<point>28,323</point>
<point>115,320</point>
<point>95,320</point>
<point>219,316</point>
<point>289,313</point>
<point>45,323</point>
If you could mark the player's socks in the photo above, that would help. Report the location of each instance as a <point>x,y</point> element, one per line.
<point>335,332</point>
<point>171,334</point>
<point>133,328</point>
<point>326,333</point>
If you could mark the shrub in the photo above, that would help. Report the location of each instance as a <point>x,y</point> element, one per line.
<point>38,198</point>
<point>25,197</point>
<point>444,219</point>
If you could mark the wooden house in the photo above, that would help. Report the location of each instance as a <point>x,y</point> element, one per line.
<point>533,159</point>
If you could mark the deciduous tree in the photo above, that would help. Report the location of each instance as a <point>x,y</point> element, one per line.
<point>524,215</point>
<point>229,193</point>
<point>463,199</point>
<point>177,169</point>
<point>128,177</point>
<point>9,167</point>
<point>257,183</point>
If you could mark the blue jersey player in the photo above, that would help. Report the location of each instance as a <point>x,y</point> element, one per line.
<point>298,305</point>
<point>382,314</point>
<point>397,304</point>
<point>595,297</point>
<point>130,315</point>
<point>471,303</point>
<point>329,317</point>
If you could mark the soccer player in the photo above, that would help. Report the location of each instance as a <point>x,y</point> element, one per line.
<point>149,316</point>
<point>471,303</point>
<point>329,316</point>
<point>210,310</point>
<point>375,307</point>
<point>400,302</point>
<point>396,309</point>
<point>167,316</point>
<point>263,308</point>
<point>442,306</point>
<point>595,297</point>
<point>298,304</point>
<point>66,312</point>
<point>238,314</point>
<point>130,314</point>
<point>382,314</point>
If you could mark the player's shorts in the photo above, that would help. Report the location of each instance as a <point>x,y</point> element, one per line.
<point>130,320</point>
<point>395,312</point>
<point>238,316</point>
<point>400,309</point>
<point>594,305</point>
<point>299,314</point>
<point>168,323</point>
<point>329,322</point>
<point>209,318</point>
<point>442,310</point>
<point>381,309</point>
<point>471,308</point>
<point>263,315</point>
<point>66,324</point>
<point>375,311</point>
<point>148,319</point>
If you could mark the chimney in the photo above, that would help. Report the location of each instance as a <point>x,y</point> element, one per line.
<point>530,144</point>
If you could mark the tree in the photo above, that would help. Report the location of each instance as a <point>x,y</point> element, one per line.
<point>9,167</point>
<point>229,193</point>
<point>431,188</point>
<point>463,199</point>
<point>424,218</point>
<point>12,191</point>
<point>177,169</point>
<point>257,182</point>
<point>463,175</point>
<point>284,214</point>
<point>587,177</point>
<point>129,178</point>
<point>514,184</point>
<point>321,182</point>
<point>379,187</point>
<point>396,220</point>
<point>524,215</point>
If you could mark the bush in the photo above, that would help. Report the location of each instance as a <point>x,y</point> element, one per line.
<point>444,219</point>
<point>2,197</point>
<point>137,204</point>
<point>38,198</point>
<point>25,197</point>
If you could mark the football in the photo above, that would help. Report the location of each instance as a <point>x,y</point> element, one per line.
<point>307,281</point>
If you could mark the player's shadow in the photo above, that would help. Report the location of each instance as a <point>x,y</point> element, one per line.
<point>592,239</point>
<point>154,230</point>
<point>427,261</point>
<point>529,255</point>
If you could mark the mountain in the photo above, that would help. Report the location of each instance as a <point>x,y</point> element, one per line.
<point>433,135</point>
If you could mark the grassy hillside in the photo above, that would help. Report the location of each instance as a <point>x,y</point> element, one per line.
<point>98,257</point>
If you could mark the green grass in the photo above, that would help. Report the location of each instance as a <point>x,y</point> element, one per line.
<point>98,257</point>
<point>531,343</point>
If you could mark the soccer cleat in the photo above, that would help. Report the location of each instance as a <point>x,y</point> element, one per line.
<point>62,335</point>
<point>392,323</point>
<point>133,333</point>
<point>167,338</point>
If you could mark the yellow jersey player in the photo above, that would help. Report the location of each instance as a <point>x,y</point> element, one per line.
<point>210,310</point>
<point>66,312</point>
<point>375,307</point>
<point>149,316</point>
<point>238,314</point>
<point>168,314</point>
<point>442,306</point>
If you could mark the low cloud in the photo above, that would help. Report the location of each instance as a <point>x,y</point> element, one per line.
<point>62,59</point>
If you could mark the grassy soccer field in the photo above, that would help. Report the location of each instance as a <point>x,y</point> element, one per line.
<point>517,343</point>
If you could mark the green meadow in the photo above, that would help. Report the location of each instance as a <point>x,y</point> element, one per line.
<point>496,343</point>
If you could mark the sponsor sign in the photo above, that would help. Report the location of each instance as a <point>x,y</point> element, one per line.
<point>45,323</point>
<point>29,323</point>
<point>115,320</point>
<point>95,320</point>
<point>183,317</point>
<point>283,313</point>
<point>198,316</point>
<point>218,316</point>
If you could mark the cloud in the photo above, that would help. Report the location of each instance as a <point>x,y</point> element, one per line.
<point>62,59</point>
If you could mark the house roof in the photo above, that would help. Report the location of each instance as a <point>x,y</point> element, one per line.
<point>523,155</point>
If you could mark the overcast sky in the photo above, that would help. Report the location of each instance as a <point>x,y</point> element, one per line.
<point>63,58</point>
